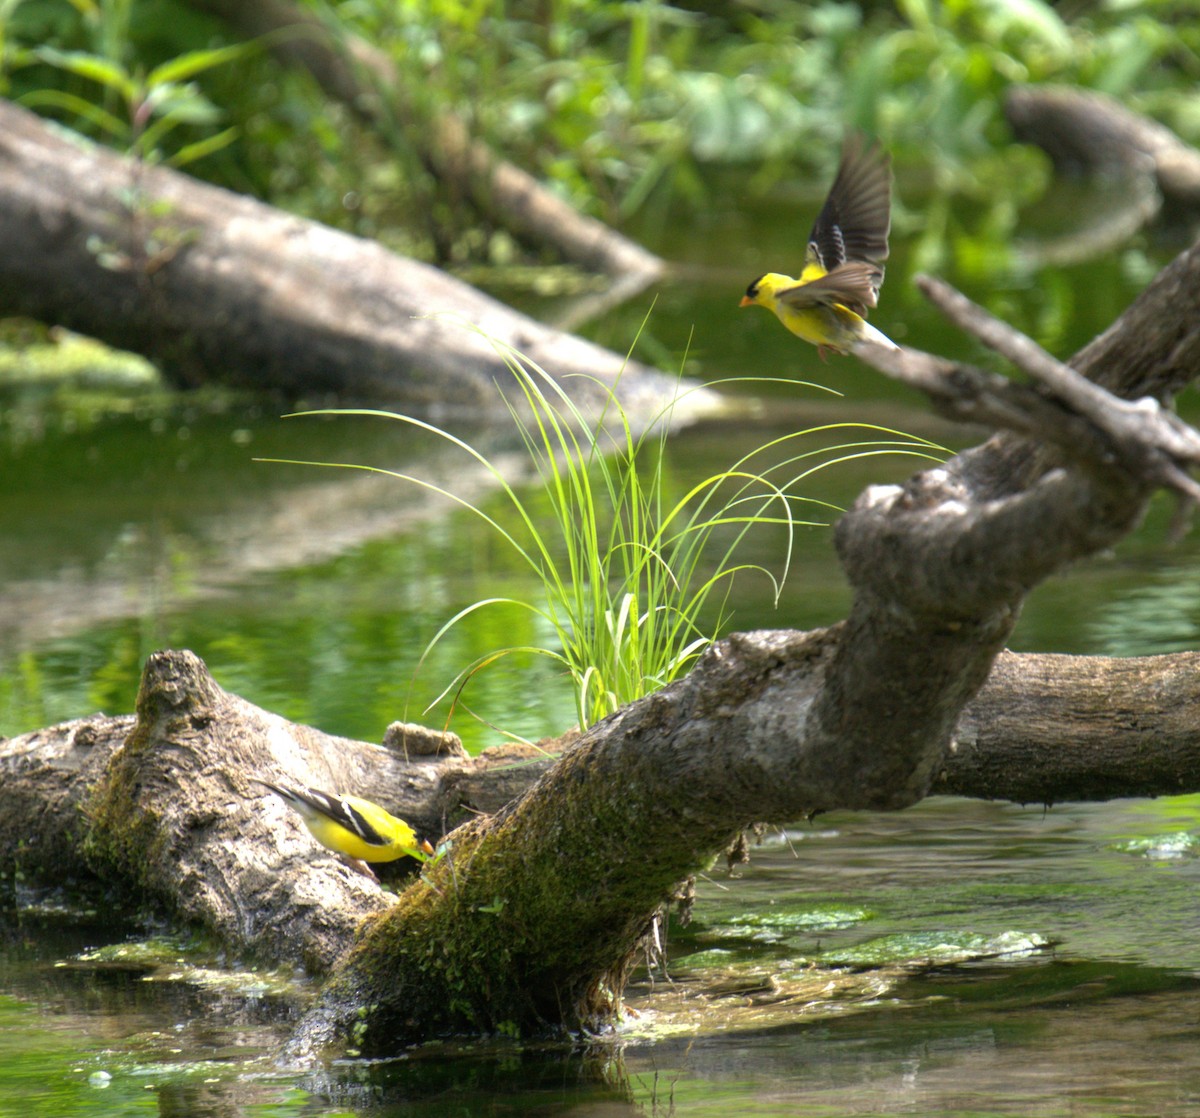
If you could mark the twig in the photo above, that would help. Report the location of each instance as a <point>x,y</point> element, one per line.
<point>1062,407</point>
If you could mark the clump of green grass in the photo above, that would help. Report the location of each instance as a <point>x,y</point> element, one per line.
<point>625,572</point>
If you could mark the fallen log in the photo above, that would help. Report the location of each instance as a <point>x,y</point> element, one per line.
<point>219,288</point>
<point>211,847</point>
<point>1088,132</point>
<point>533,916</point>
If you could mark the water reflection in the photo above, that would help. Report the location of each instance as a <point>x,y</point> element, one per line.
<point>1098,1042</point>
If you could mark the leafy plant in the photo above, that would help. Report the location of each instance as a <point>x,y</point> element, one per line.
<point>626,571</point>
<point>627,108</point>
<point>119,100</point>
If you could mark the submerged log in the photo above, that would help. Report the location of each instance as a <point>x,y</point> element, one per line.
<point>1140,163</point>
<point>216,287</point>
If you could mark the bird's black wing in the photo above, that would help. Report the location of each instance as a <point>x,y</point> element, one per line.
<point>856,218</point>
<point>334,807</point>
<point>854,284</point>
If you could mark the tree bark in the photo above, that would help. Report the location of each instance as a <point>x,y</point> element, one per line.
<point>214,286</point>
<point>161,802</point>
<point>1145,167</point>
<point>1048,729</point>
<point>532,917</point>
<point>500,189</point>
<point>1043,729</point>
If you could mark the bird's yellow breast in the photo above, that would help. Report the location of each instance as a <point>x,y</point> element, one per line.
<point>834,326</point>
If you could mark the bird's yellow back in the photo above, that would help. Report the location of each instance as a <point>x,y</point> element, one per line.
<point>351,826</point>
<point>397,838</point>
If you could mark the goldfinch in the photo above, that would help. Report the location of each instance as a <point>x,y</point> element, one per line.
<point>843,264</point>
<point>356,830</point>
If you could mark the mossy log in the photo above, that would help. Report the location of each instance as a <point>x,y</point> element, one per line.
<point>533,916</point>
<point>1043,729</point>
<point>165,804</point>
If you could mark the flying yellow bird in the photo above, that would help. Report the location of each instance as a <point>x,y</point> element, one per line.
<point>356,830</point>
<point>843,264</point>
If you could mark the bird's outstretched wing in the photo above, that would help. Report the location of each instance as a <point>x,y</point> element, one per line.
<point>854,284</point>
<point>855,220</point>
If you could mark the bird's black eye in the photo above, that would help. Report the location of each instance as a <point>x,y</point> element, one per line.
<point>752,290</point>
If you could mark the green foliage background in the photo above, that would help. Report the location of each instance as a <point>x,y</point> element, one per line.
<point>621,106</point>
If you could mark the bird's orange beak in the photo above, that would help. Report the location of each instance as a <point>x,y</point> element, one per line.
<point>746,301</point>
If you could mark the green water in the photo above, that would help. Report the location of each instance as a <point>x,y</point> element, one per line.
<point>989,959</point>
<point>1080,999</point>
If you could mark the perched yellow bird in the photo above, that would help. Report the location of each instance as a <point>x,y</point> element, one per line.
<point>843,264</point>
<point>356,830</point>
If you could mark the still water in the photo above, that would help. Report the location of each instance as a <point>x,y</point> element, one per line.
<point>958,959</point>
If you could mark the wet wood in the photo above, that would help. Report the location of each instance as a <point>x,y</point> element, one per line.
<point>1050,729</point>
<point>1043,729</point>
<point>534,915</point>
<point>165,802</point>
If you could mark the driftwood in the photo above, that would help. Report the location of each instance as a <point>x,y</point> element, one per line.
<point>533,916</point>
<point>1042,729</point>
<point>1139,163</point>
<point>246,871</point>
<point>1086,132</point>
<point>777,726</point>
<point>363,77</point>
<point>217,287</point>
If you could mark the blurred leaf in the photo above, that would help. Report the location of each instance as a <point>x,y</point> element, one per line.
<point>89,66</point>
<point>195,62</point>
<point>1028,18</point>
<point>183,104</point>
<point>189,153</point>
<point>104,121</point>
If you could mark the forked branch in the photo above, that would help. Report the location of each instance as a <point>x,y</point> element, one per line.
<point>1061,407</point>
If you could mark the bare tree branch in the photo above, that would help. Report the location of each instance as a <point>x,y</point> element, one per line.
<point>1070,412</point>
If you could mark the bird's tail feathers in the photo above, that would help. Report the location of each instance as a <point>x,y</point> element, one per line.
<point>279,789</point>
<point>878,337</point>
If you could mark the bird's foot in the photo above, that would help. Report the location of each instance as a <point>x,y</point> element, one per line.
<point>358,866</point>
